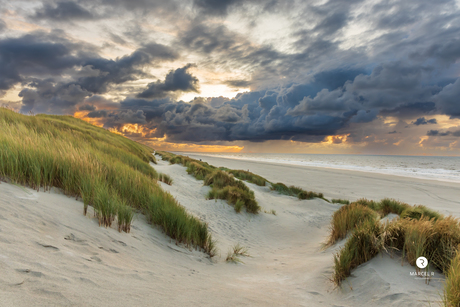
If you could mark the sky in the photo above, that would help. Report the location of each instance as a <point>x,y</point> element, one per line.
<point>350,77</point>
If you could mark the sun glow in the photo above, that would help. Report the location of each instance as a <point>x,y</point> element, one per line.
<point>335,139</point>
<point>92,121</point>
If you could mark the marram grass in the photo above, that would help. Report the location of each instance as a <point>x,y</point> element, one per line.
<point>223,183</point>
<point>165,178</point>
<point>423,233</point>
<point>244,197</point>
<point>364,243</point>
<point>346,219</point>
<point>248,176</point>
<point>295,191</point>
<point>109,172</point>
<point>340,201</point>
<point>225,186</point>
<point>451,296</point>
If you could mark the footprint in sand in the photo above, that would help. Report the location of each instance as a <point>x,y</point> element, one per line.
<point>48,246</point>
<point>72,237</point>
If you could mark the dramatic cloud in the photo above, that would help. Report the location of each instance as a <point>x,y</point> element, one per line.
<point>423,121</point>
<point>359,74</point>
<point>87,107</point>
<point>178,80</point>
<point>445,133</point>
<point>37,54</point>
<point>448,99</point>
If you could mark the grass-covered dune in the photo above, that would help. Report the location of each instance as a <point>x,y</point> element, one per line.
<point>109,172</point>
<point>224,186</point>
<point>417,232</point>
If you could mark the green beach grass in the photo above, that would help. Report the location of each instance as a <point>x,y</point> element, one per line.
<point>222,181</point>
<point>109,172</point>
<point>417,232</point>
<point>225,186</point>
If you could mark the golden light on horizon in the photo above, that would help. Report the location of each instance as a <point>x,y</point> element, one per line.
<point>136,129</point>
<point>167,146</point>
<point>92,121</point>
<point>336,139</point>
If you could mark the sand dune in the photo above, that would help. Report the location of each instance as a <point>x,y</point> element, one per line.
<point>52,255</point>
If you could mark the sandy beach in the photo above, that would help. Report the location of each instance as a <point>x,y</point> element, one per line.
<point>335,183</point>
<point>52,255</point>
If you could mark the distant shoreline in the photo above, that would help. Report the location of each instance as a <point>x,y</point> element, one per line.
<point>393,172</point>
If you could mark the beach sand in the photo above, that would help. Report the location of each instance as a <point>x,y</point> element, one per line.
<point>52,255</point>
<point>352,185</point>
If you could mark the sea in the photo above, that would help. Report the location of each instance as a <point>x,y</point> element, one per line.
<point>423,167</point>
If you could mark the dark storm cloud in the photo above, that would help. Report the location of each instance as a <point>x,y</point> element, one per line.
<point>122,117</point>
<point>303,112</point>
<point>448,99</point>
<point>126,68</point>
<point>445,133</point>
<point>46,96</point>
<point>34,54</point>
<point>97,114</point>
<point>311,79</point>
<point>411,109</point>
<point>40,59</point>
<point>423,121</point>
<point>119,118</point>
<point>179,80</point>
<point>87,107</point>
<point>63,11</point>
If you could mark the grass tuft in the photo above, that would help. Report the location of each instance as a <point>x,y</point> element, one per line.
<point>340,201</point>
<point>347,218</point>
<point>418,232</point>
<point>270,212</point>
<point>225,186</point>
<point>364,243</point>
<point>419,212</point>
<point>199,171</point>
<point>248,176</point>
<point>234,254</point>
<point>165,178</point>
<point>125,216</point>
<point>295,191</point>
<point>451,296</point>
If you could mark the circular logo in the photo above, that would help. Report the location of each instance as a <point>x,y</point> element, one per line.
<point>421,262</point>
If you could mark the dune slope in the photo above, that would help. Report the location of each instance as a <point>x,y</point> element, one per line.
<point>53,255</point>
